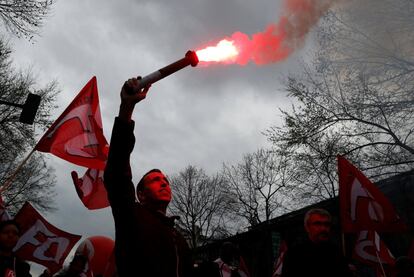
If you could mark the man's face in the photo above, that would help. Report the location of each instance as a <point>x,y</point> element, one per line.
<point>156,188</point>
<point>9,236</point>
<point>318,227</point>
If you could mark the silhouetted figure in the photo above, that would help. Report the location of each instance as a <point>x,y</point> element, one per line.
<point>404,267</point>
<point>9,263</point>
<point>316,256</point>
<point>146,242</point>
<point>75,268</point>
<point>227,265</point>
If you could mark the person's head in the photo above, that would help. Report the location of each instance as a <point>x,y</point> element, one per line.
<point>229,253</point>
<point>154,188</point>
<point>77,265</point>
<point>318,225</point>
<point>404,267</point>
<point>9,234</point>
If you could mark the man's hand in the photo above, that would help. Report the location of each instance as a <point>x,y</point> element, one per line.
<point>131,95</point>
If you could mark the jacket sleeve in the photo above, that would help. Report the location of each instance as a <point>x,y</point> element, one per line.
<point>117,176</point>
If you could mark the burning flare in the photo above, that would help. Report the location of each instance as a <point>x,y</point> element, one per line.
<point>225,50</point>
<point>275,43</point>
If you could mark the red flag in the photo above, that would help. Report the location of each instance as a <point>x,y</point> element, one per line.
<point>363,205</point>
<point>371,250</point>
<point>42,242</point>
<point>77,135</point>
<point>279,262</point>
<point>91,189</point>
<point>243,268</point>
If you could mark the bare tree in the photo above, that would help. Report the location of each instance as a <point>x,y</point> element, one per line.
<point>355,98</point>
<point>257,182</point>
<point>24,18</point>
<point>35,183</point>
<point>36,180</point>
<point>202,203</point>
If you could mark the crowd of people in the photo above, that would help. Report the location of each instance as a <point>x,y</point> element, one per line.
<point>146,241</point>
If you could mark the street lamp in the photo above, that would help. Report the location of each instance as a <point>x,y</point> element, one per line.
<point>29,108</point>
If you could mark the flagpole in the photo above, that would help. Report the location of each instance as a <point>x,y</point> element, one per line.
<point>11,178</point>
<point>379,261</point>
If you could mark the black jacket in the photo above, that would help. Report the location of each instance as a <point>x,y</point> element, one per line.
<point>310,259</point>
<point>21,268</point>
<point>146,242</point>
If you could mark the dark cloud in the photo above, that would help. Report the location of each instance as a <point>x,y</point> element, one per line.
<point>201,116</point>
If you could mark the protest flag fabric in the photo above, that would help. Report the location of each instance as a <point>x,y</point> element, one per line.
<point>90,189</point>
<point>40,241</point>
<point>243,267</point>
<point>277,269</point>
<point>363,205</point>
<point>370,249</point>
<point>77,135</point>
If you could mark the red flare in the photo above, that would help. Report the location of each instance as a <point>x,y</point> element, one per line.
<point>224,51</point>
<point>275,43</point>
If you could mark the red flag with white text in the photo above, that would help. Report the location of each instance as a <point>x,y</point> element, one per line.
<point>77,135</point>
<point>42,242</point>
<point>90,189</point>
<point>371,250</point>
<point>363,205</point>
<point>277,269</point>
<point>243,270</point>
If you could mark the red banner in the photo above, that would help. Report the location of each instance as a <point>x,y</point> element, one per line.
<point>77,135</point>
<point>363,205</point>
<point>42,242</point>
<point>371,250</point>
<point>279,262</point>
<point>91,189</point>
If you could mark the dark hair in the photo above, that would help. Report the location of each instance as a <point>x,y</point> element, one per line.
<point>318,211</point>
<point>141,183</point>
<point>9,222</point>
<point>228,251</point>
<point>79,257</point>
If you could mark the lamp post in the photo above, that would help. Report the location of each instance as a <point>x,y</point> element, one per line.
<point>29,108</point>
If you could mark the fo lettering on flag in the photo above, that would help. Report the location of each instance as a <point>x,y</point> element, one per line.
<point>370,249</point>
<point>363,205</point>
<point>42,242</point>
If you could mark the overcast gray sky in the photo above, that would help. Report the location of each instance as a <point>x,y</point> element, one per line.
<point>202,116</point>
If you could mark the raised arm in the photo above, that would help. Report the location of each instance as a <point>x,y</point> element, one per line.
<point>118,177</point>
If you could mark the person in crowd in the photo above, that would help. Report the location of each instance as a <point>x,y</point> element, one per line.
<point>404,267</point>
<point>10,264</point>
<point>75,268</point>
<point>46,273</point>
<point>317,256</point>
<point>226,265</point>
<point>146,241</point>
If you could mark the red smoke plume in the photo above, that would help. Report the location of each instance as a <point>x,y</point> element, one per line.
<point>276,42</point>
